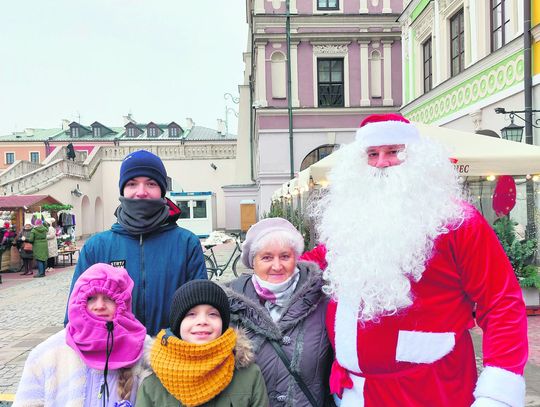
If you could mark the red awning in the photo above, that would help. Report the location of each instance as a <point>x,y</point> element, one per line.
<point>11,202</point>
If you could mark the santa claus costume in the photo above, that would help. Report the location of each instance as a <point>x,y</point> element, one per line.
<point>401,333</point>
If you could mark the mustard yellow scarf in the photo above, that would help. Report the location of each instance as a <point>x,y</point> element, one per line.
<point>193,373</point>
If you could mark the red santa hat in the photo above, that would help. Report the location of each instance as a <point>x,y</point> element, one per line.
<point>386,129</point>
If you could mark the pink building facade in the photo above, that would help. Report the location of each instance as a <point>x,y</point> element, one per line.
<point>345,58</point>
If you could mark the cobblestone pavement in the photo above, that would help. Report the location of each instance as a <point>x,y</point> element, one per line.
<point>31,310</point>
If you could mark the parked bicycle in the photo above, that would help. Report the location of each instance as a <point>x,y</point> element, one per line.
<point>213,268</point>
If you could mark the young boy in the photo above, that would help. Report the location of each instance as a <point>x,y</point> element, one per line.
<point>200,360</point>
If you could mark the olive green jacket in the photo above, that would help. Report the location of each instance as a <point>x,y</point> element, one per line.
<point>246,389</point>
<point>38,237</point>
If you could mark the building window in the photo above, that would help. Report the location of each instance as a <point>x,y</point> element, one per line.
<point>428,73</point>
<point>173,132</point>
<point>500,27</point>
<point>457,41</point>
<point>74,132</point>
<point>34,156</point>
<point>316,155</point>
<point>184,209</point>
<point>199,209</point>
<point>330,82</point>
<point>327,4</point>
<point>131,132</point>
<point>10,158</point>
<point>97,132</point>
<point>151,132</point>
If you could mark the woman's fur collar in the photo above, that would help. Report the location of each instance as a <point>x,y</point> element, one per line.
<point>251,314</point>
<point>243,351</point>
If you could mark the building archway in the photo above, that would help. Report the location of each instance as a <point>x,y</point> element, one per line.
<point>86,215</point>
<point>317,154</point>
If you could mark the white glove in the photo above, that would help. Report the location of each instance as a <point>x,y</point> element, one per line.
<point>487,402</point>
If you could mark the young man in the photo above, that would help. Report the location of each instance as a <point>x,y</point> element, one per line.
<point>158,255</point>
<point>408,262</point>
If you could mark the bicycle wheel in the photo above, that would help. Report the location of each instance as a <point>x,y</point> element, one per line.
<point>211,269</point>
<point>235,262</point>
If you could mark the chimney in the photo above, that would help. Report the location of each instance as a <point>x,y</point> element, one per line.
<point>221,127</point>
<point>189,123</point>
<point>129,119</point>
<point>65,124</point>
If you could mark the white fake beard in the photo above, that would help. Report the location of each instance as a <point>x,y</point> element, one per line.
<point>379,225</point>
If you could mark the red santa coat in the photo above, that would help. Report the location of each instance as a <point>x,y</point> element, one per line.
<point>424,355</point>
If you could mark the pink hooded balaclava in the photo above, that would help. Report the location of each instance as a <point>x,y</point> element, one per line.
<point>88,334</point>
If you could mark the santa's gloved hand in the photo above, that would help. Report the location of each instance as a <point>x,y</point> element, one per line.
<point>487,402</point>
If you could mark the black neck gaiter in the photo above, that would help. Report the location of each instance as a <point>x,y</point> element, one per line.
<point>141,216</point>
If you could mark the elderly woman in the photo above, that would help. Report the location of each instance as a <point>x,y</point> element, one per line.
<point>282,308</point>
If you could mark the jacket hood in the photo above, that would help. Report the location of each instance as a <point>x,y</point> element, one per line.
<point>254,317</point>
<point>243,350</point>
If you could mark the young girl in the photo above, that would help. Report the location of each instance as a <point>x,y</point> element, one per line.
<point>96,360</point>
<point>199,360</point>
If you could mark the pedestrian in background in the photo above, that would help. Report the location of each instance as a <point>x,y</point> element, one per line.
<point>52,244</point>
<point>25,250</point>
<point>159,255</point>
<point>40,248</point>
<point>96,360</point>
<point>200,360</point>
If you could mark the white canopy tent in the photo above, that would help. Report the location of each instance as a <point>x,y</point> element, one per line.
<point>476,155</point>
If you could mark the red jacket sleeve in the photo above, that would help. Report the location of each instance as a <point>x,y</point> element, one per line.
<point>489,280</point>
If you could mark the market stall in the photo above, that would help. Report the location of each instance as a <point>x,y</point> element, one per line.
<point>17,208</point>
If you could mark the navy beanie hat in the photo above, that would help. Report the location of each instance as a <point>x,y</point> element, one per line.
<point>143,163</point>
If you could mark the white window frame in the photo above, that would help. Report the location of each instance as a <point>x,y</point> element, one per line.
<point>30,156</point>
<point>5,157</point>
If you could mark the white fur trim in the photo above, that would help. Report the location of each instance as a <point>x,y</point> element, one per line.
<point>346,331</point>
<point>423,347</point>
<point>387,133</point>
<point>501,385</point>
<point>354,397</point>
<point>485,402</point>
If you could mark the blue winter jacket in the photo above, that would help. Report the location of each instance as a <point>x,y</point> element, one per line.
<point>158,262</point>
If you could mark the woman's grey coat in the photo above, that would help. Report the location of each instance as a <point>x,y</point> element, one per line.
<point>300,330</point>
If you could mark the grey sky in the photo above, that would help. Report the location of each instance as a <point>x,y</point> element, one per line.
<point>162,60</point>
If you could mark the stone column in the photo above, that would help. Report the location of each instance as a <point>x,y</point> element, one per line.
<point>387,60</point>
<point>364,73</point>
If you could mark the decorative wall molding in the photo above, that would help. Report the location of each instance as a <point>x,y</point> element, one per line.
<point>447,7</point>
<point>331,49</point>
<point>490,81</point>
<point>476,118</point>
<point>423,25</point>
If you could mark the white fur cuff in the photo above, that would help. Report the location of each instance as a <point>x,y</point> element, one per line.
<point>501,385</point>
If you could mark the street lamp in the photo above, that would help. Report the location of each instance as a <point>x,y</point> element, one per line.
<point>513,132</point>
